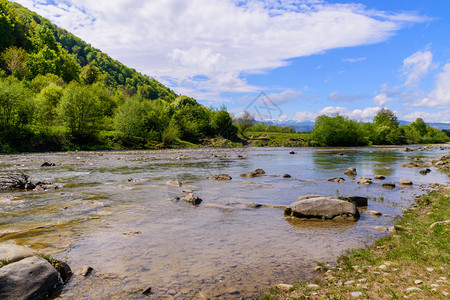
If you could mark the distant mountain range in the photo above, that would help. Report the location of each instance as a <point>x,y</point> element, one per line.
<point>307,126</point>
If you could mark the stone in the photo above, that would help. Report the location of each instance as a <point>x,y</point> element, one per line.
<point>404,181</point>
<point>85,271</point>
<point>323,208</point>
<point>313,286</point>
<point>292,152</point>
<point>310,197</point>
<point>284,287</point>
<point>374,213</point>
<point>31,278</point>
<point>381,228</point>
<point>15,181</point>
<point>413,289</point>
<point>430,269</point>
<point>336,179</point>
<point>418,282</point>
<point>364,180</point>
<point>350,282</point>
<point>191,198</point>
<point>254,173</point>
<point>357,200</point>
<point>392,230</point>
<point>356,294</point>
<point>351,171</point>
<point>424,171</point>
<point>286,176</point>
<point>47,164</point>
<point>221,177</point>
<point>379,177</point>
<point>10,253</point>
<point>388,185</point>
<point>382,267</point>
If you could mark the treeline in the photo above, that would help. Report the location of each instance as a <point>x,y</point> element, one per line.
<point>57,93</point>
<point>338,130</point>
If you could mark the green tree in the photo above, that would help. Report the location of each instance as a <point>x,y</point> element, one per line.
<point>386,129</point>
<point>79,110</point>
<point>245,121</point>
<point>15,61</point>
<point>222,124</point>
<point>47,102</point>
<point>90,74</point>
<point>337,131</point>
<point>16,108</point>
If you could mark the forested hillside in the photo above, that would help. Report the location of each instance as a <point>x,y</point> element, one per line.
<point>58,92</point>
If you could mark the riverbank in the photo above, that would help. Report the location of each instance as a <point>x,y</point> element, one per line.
<point>412,262</point>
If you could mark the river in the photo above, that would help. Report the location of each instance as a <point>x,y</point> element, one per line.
<point>115,211</point>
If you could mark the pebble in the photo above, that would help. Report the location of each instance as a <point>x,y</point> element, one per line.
<point>363,280</point>
<point>85,271</point>
<point>434,285</point>
<point>382,267</point>
<point>313,286</point>
<point>357,294</point>
<point>445,293</point>
<point>374,213</point>
<point>350,282</point>
<point>318,268</point>
<point>413,289</point>
<point>382,228</point>
<point>284,287</point>
<point>418,282</point>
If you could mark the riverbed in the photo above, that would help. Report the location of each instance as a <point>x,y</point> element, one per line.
<point>117,212</point>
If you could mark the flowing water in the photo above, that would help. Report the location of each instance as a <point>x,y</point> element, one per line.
<point>116,212</point>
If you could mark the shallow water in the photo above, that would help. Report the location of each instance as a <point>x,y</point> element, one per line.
<point>116,213</point>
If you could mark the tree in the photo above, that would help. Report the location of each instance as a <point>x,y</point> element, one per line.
<point>90,74</point>
<point>386,129</point>
<point>222,124</point>
<point>16,108</point>
<point>337,131</point>
<point>79,110</point>
<point>47,102</point>
<point>245,122</point>
<point>15,60</point>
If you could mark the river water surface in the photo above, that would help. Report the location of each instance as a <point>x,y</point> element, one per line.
<point>115,212</point>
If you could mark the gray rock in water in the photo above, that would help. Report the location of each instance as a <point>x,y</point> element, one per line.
<point>351,171</point>
<point>388,185</point>
<point>379,177</point>
<point>254,173</point>
<point>336,179</point>
<point>85,271</point>
<point>286,176</point>
<point>220,177</point>
<point>323,208</point>
<point>424,171</point>
<point>357,200</point>
<point>15,181</point>
<point>404,181</point>
<point>11,253</point>
<point>191,198</point>
<point>364,180</point>
<point>30,278</point>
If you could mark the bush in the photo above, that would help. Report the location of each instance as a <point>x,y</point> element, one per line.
<point>337,131</point>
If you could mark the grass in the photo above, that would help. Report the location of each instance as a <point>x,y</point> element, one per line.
<point>392,264</point>
<point>277,139</point>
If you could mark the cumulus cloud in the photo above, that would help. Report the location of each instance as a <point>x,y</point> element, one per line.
<point>286,96</point>
<point>440,96</point>
<point>221,40</point>
<point>364,115</point>
<point>442,116</point>
<point>416,66</point>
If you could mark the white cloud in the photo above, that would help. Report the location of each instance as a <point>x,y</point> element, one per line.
<point>416,66</point>
<point>436,117</point>
<point>381,99</point>
<point>440,96</point>
<point>221,40</point>
<point>286,96</point>
<point>364,115</point>
<point>303,116</point>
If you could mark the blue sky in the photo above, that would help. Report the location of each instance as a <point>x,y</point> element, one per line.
<point>308,57</point>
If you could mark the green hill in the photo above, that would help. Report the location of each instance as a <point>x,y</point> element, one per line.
<point>58,92</point>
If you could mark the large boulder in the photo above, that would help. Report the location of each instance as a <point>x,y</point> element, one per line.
<point>31,278</point>
<point>323,208</point>
<point>15,181</point>
<point>10,253</point>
